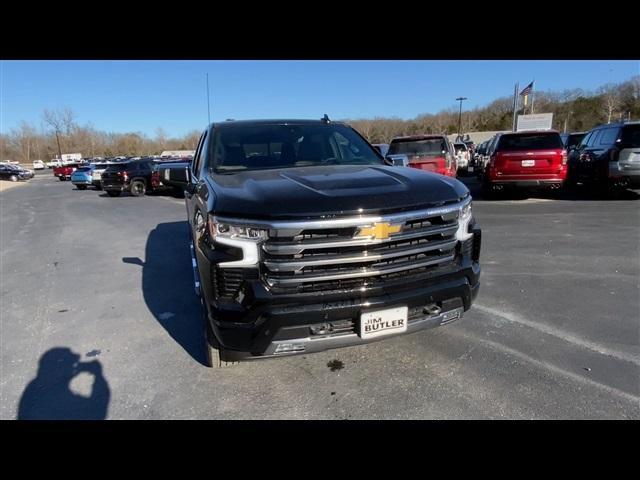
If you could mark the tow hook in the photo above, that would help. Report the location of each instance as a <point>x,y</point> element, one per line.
<point>432,309</point>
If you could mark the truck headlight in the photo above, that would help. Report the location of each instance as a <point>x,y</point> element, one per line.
<point>464,218</point>
<point>234,231</point>
<point>245,238</point>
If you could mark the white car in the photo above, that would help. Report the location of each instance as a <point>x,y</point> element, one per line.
<point>38,165</point>
<point>96,174</point>
<point>462,153</point>
<point>54,163</point>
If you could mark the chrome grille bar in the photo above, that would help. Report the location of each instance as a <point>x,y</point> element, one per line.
<point>297,265</point>
<point>360,273</point>
<point>295,248</point>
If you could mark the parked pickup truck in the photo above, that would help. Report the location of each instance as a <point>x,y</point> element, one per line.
<point>304,239</point>
<point>64,172</point>
<point>174,175</point>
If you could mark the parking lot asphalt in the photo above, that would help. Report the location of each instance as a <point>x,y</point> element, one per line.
<point>554,333</point>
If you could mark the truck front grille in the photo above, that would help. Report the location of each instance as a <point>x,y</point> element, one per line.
<point>362,255</point>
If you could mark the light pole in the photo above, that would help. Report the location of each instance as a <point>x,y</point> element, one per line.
<point>460,99</point>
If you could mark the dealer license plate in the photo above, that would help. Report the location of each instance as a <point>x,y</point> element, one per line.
<point>383,322</point>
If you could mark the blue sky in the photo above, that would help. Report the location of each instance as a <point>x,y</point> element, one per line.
<point>124,96</point>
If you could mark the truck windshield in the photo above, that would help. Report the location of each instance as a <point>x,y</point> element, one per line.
<point>268,146</point>
<point>427,147</point>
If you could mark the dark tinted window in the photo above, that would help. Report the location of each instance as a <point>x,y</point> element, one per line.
<point>532,141</point>
<point>429,147</point>
<point>595,138</point>
<point>574,139</point>
<point>260,146</point>
<point>608,136</point>
<point>117,168</point>
<point>630,136</point>
<point>585,141</point>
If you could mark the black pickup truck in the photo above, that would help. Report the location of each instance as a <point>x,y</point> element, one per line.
<point>305,239</point>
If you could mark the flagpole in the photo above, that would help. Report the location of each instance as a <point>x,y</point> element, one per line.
<point>515,106</point>
<point>533,94</point>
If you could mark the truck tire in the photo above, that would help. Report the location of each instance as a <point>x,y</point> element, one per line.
<point>216,357</point>
<point>487,190</point>
<point>113,193</point>
<point>62,179</point>
<point>137,188</point>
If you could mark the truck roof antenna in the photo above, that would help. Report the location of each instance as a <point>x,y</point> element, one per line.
<point>325,119</point>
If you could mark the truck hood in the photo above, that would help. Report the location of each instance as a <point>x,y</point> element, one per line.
<point>330,190</point>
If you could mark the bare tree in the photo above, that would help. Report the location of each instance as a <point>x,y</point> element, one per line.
<point>24,140</point>
<point>610,99</point>
<point>58,121</point>
<point>161,138</point>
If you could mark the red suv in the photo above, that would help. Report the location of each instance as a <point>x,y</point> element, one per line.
<point>526,159</point>
<point>433,153</point>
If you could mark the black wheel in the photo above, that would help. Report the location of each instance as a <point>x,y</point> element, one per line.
<point>487,190</point>
<point>98,187</point>
<point>137,188</point>
<point>13,178</point>
<point>81,187</point>
<point>216,356</point>
<point>61,179</point>
<point>113,193</point>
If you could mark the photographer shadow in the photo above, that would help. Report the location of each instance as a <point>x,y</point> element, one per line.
<point>49,396</point>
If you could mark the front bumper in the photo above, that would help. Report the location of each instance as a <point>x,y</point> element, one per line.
<point>115,187</point>
<point>85,181</point>
<point>304,323</point>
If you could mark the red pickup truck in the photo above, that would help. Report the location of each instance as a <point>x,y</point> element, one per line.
<point>64,172</point>
<point>433,153</point>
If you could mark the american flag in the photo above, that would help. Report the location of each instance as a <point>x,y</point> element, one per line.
<point>527,90</point>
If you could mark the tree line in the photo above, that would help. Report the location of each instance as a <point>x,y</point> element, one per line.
<point>580,109</point>
<point>59,132</point>
<point>575,109</point>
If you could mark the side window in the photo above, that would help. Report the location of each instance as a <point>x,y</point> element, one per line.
<point>203,157</point>
<point>595,139</point>
<point>608,136</point>
<point>586,139</point>
<point>195,163</point>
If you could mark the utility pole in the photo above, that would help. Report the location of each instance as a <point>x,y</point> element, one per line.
<point>566,120</point>
<point>460,99</point>
<point>59,149</point>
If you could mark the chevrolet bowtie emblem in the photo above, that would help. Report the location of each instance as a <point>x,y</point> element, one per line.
<point>379,231</point>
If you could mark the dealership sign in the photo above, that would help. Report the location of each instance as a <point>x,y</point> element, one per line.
<point>538,121</point>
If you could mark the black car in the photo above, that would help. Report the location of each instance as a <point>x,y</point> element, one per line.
<point>137,177</point>
<point>608,156</point>
<point>14,173</point>
<point>304,239</point>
